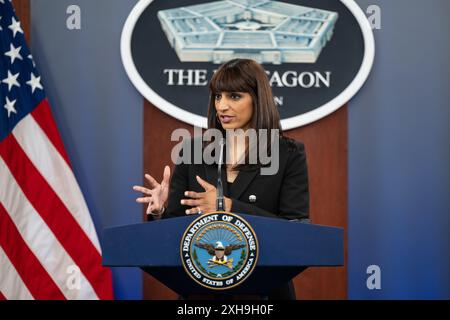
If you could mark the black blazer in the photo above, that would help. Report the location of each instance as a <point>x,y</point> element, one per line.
<point>283,195</point>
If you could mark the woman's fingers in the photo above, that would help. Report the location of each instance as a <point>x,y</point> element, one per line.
<point>152,181</point>
<point>195,210</point>
<point>192,194</point>
<point>198,202</point>
<point>153,208</point>
<point>144,200</point>
<point>196,198</point>
<point>190,202</point>
<point>149,208</point>
<point>205,185</point>
<point>143,190</point>
<point>166,176</point>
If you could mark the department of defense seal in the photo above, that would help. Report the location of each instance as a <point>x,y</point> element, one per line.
<point>219,250</point>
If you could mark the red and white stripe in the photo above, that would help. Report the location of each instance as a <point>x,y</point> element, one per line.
<point>42,209</point>
<point>11,283</point>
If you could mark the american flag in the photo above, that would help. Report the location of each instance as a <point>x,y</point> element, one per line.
<point>48,245</point>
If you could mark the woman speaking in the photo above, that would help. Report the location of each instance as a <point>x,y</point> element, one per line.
<point>240,98</point>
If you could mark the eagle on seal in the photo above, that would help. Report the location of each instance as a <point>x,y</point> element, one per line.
<point>219,253</point>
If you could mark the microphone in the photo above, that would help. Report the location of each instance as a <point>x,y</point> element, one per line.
<point>219,198</point>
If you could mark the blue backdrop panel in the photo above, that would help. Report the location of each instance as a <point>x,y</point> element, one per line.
<point>399,156</point>
<point>97,110</point>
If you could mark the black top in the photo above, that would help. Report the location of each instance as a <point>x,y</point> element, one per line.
<point>284,194</point>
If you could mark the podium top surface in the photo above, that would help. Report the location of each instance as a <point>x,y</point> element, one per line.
<point>282,243</point>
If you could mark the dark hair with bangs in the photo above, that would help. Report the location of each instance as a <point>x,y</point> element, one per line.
<point>245,75</point>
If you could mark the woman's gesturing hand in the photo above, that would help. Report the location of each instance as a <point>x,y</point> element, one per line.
<point>204,202</point>
<point>157,196</point>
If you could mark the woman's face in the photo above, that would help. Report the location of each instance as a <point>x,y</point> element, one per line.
<point>234,109</point>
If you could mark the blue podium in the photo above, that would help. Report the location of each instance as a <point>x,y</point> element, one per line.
<point>286,248</point>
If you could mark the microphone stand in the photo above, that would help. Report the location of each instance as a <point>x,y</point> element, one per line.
<point>220,204</point>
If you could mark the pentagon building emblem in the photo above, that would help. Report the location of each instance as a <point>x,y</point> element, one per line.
<point>263,30</point>
<point>317,54</point>
<point>219,250</point>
